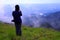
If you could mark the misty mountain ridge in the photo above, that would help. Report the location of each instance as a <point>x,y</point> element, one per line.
<point>50,21</point>
<point>54,20</point>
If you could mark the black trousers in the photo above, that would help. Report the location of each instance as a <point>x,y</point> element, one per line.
<point>18,29</point>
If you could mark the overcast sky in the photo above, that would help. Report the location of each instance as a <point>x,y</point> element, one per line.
<point>28,1</point>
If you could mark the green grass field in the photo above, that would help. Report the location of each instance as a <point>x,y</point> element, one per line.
<point>7,32</point>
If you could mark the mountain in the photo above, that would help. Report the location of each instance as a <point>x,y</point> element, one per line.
<point>49,21</point>
<point>54,20</point>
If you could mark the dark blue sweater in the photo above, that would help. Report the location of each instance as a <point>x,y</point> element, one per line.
<point>17,16</point>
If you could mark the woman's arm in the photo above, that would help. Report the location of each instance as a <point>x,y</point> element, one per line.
<point>20,13</point>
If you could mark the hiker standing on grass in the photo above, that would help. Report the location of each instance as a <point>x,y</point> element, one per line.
<point>17,20</point>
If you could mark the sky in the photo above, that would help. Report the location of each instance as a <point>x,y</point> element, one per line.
<point>28,1</point>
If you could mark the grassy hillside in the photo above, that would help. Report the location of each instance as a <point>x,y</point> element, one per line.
<point>7,32</point>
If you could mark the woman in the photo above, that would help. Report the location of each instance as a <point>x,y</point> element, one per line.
<point>17,19</point>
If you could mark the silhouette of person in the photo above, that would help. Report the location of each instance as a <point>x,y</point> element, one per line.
<point>17,20</point>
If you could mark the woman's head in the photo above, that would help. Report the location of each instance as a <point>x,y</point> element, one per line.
<point>17,8</point>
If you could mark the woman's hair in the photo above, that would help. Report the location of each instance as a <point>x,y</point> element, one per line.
<point>17,8</point>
